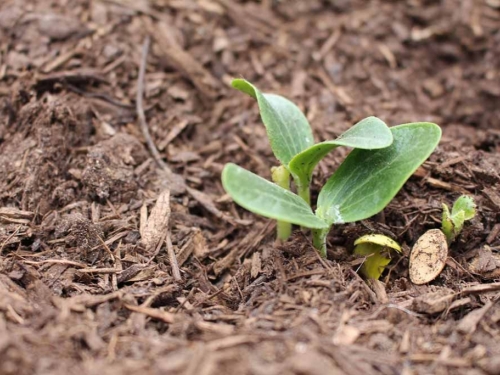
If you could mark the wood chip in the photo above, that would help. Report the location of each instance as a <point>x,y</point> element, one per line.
<point>428,257</point>
<point>346,335</point>
<point>486,263</point>
<point>493,234</point>
<point>256,265</point>
<point>15,213</point>
<point>433,303</point>
<point>469,323</point>
<point>492,196</point>
<point>152,313</point>
<point>157,223</point>
<point>379,289</point>
<point>181,60</point>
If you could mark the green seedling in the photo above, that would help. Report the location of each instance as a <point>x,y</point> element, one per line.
<point>376,248</point>
<point>362,186</point>
<point>463,209</point>
<point>292,141</point>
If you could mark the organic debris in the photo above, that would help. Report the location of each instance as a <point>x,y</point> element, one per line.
<point>81,289</point>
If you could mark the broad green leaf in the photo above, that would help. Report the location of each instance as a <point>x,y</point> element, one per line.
<point>367,180</point>
<point>465,204</point>
<point>287,128</point>
<point>370,133</point>
<point>262,197</point>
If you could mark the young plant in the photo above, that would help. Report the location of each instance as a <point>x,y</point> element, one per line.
<point>362,186</point>
<point>377,250</point>
<point>463,209</point>
<point>292,141</point>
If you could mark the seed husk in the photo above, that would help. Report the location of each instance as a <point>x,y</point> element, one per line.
<point>428,257</point>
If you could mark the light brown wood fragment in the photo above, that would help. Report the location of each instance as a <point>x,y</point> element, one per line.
<point>469,323</point>
<point>152,313</point>
<point>405,345</point>
<point>200,246</point>
<point>176,273</point>
<point>492,196</point>
<point>256,265</point>
<point>434,302</point>
<point>181,60</point>
<point>15,213</point>
<point>157,223</point>
<point>379,289</point>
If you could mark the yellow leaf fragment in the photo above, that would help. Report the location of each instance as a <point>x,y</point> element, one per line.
<point>376,248</point>
<point>378,239</point>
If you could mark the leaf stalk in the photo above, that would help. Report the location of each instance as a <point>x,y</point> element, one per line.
<point>281,177</point>
<point>319,240</point>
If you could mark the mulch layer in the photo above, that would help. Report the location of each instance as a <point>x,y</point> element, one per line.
<point>119,259</point>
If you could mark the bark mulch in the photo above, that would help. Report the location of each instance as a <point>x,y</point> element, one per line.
<point>120,252</point>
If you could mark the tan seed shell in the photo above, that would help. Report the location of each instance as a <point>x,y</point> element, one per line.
<point>428,257</point>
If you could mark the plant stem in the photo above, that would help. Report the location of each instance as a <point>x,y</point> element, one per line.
<point>319,240</point>
<point>283,230</point>
<point>281,177</point>
<point>303,191</point>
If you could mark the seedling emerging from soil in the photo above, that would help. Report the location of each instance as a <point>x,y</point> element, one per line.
<point>429,254</point>
<point>292,141</point>
<point>362,186</point>
<point>463,209</point>
<point>376,248</point>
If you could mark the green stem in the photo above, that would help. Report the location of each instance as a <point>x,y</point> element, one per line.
<point>283,230</point>
<point>303,190</point>
<point>319,240</point>
<point>281,177</point>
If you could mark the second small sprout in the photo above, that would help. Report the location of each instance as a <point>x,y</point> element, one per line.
<point>463,209</point>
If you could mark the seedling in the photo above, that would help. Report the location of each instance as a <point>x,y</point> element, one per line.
<point>463,209</point>
<point>376,248</point>
<point>429,254</point>
<point>292,142</point>
<point>363,185</point>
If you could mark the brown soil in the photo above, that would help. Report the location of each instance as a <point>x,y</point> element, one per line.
<point>88,283</point>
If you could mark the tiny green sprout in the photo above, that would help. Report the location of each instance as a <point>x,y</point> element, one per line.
<point>292,141</point>
<point>463,209</point>
<point>376,248</point>
<point>367,180</point>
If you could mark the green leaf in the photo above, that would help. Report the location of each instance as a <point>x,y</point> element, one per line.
<point>458,222</point>
<point>370,133</point>
<point>262,197</point>
<point>288,130</point>
<point>447,226</point>
<point>367,180</point>
<point>465,204</point>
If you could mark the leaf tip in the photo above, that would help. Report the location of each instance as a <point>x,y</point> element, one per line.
<point>244,86</point>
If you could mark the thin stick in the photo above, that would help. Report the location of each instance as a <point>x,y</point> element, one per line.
<point>140,109</point>
<point>164,316</point>
<point>9,238</point>
<point>173,259</point>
